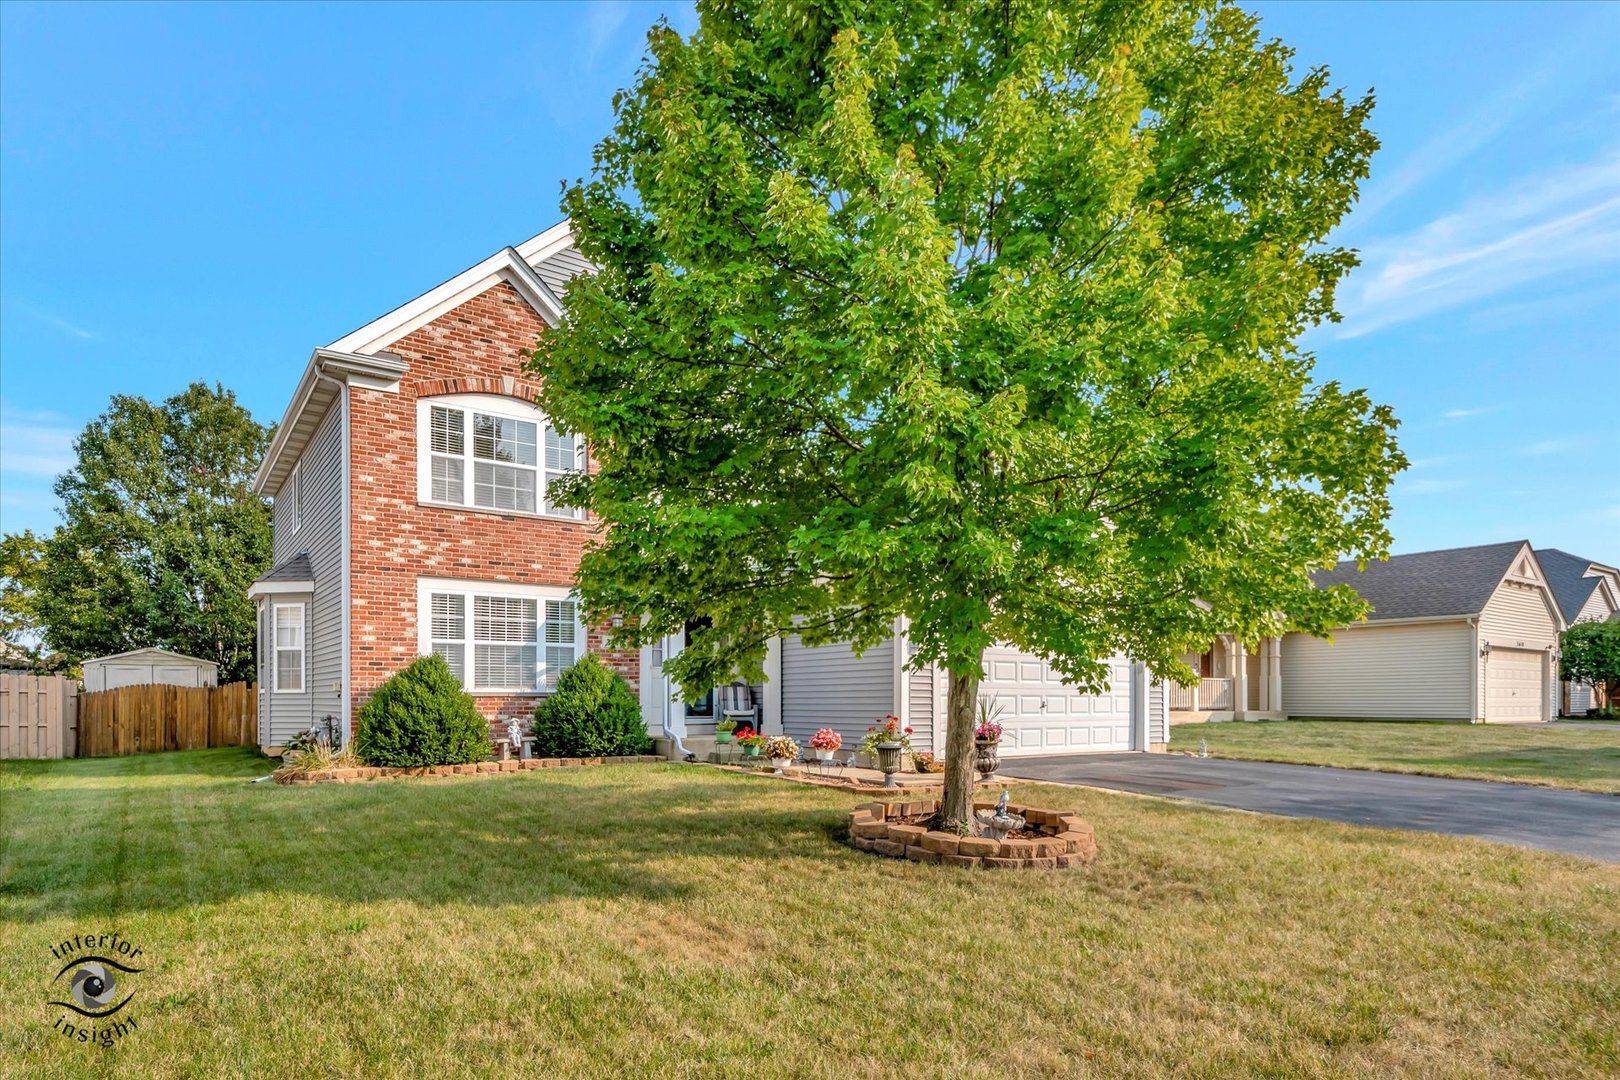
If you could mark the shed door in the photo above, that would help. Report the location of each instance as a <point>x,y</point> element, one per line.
<point>117,675</point>
<point>1041,714</point>
<point>1513,686</point>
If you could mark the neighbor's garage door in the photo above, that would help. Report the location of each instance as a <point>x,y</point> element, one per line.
<point>1513,686</point>
<point>1042,715</point>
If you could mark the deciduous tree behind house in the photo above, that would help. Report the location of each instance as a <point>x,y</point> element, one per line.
<point>980,316</point>
<point>161,534</point>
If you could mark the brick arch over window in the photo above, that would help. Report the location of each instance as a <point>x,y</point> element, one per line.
<point>504,385</point>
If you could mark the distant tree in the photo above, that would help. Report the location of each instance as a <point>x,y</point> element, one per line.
<point>161,535</point>
<point>980,315</point>
<point>22,563</point>
<point>1591,654</point>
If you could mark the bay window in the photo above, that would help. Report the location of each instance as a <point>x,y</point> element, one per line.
<point>494,454</point>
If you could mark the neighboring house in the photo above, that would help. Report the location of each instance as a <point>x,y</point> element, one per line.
<point>409,479</point>
<point>1233,683</point>
<point>142,666</point>
<point>1586,591</point>
<point>1463,634</point>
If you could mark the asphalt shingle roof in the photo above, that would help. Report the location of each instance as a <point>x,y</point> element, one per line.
<point>1427,584</point>
<point>1566,575</point>
<point>296,568</point>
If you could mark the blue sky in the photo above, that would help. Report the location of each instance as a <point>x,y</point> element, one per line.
<point>209,192</point>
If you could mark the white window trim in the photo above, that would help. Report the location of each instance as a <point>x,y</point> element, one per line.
<point>295,503</point>
<point>426,587</point>
<point>490,405</point>
<point>303,649</point>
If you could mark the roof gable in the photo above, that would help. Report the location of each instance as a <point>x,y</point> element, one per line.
<point>1455,582</point>
<point>505,265</point>
<point>1574,579</point>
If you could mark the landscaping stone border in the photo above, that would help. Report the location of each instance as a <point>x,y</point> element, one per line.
<point>481,768</point>
<point>1067,840</point>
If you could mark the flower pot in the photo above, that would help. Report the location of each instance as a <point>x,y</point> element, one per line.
<point>723,738</point>
<point>780,763</point>
<point>822,755</point>
<point>889,761</point>
<point>750,751</point>
<point>985,759</point>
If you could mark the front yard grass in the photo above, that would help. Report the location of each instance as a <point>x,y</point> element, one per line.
<point>678,921</point>
<point>1525,754</point>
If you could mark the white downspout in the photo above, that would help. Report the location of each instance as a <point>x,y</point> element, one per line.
<point>665,718</point>
<point>1475,713</point>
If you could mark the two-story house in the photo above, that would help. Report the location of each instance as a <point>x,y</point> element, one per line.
<point>410,515</point>
<point>408,479</point>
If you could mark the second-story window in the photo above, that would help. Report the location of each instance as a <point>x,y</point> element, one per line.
<point>494,458</point>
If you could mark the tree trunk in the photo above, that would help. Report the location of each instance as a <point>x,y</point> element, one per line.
<point>962,714</point>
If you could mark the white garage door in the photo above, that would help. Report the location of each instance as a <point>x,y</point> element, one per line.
<point>1043,715</point>
<point>1513,686</point>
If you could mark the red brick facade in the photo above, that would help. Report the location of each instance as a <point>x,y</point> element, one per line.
<point>475,348</point>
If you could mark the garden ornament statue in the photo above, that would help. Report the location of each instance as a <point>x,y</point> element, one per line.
<point>997,823</point>
<point>514,737</point>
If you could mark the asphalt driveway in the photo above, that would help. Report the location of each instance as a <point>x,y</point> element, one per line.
<point>1577,822</point>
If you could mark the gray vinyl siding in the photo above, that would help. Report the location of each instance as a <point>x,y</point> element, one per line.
<point>320,536</point>
<point>829,686</point>
<point>920,706</point>
<point>1419,671</point>
<point>1519,617</point>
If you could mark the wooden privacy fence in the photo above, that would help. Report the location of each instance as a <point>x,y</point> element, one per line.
<point>145,719</point>
<point>37,716</point>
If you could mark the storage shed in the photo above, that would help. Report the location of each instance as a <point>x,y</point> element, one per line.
<point>142,666</point>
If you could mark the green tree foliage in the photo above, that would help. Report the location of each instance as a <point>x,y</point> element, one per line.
<point>419,717</point>
<point>161,534</point>
<point>592,713</point>
<point>1590,653</point>
<point>983,315</point>
<point>22,565</point>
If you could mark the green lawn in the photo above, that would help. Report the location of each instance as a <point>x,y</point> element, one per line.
<point>676,921</point>
<point>1549,756</point>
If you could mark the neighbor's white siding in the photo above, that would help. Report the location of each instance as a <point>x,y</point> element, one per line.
<point>1158,713</point>
<point>1580,696</point>
<point>829,686</point>
<point>1417,671</point>
<point>1519,616</point>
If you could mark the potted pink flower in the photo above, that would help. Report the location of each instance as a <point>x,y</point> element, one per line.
<point>824,742</point>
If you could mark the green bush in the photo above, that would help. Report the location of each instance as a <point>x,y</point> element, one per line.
<point>592,713</point>
<point>421,716</point>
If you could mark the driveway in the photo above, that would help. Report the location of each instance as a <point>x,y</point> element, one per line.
<point>1576,822</point>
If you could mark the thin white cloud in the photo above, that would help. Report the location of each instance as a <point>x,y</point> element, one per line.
<point>35,444</point>
<point>1554,446</point>
<point>1430,487</point>
<point>1563,220</point>
<point>602,22</point>
<point>50,318</point>
<point>1459,414</point>
<point>1583,45</point>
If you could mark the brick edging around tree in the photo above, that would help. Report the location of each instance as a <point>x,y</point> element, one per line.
<point>1067,839</point>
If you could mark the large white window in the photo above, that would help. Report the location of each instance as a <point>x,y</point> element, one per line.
<point>501,638</point>
<point>493,453</point>
<point>288,672</point>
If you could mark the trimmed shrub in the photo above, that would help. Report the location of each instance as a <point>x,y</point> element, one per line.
<point>421,716</point>
<point>592,713</point>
